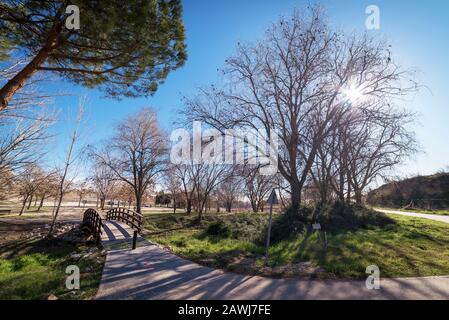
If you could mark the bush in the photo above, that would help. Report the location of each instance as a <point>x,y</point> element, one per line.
<point>287,225</point>
<point>218,229</point>
<point>246,227</point>
<point>340,217</point>
<point>332,217</point>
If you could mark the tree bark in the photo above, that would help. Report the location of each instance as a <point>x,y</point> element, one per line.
<point>29,202</point>
<point>41,203</point>
<point>254,207</point>
<point>295,196</point>
<point>18,81</point>
<point>189,206</point>
<point>138,203</point>
<point>348,195</point>
<point>358,197</point>
<point>23,205</point>
<point>174,205</point>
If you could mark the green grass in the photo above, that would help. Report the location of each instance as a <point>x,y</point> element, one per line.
<point>190,244</point>
<point>36,275</point>
<point>408,247</point>
<point>440,212</point>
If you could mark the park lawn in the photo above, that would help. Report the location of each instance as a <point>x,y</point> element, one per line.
<point>40,271</point>
<point>191,245</point>
<point>409,247</point>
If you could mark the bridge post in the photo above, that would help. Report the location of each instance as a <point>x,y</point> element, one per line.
<point>134,239</point>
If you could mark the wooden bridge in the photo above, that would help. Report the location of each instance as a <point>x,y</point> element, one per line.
<point>118,229</point>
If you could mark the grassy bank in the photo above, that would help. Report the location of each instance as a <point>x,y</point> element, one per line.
<point>35,269</point>
<point>403,248</point>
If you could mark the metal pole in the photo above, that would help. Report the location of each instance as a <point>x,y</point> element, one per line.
<point>269,231</point>
<point>134,239</point>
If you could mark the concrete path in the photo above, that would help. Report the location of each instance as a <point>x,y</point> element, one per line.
<point>436,217</point>
<point>150,272</point>
<point>118,235</point>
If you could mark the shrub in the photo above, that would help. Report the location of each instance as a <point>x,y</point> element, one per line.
<point>340,217</point>
<point>218,229</point>
<point>246,227</point>
<point>287,225</point>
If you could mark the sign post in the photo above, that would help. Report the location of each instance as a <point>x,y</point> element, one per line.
<point>272,199</point>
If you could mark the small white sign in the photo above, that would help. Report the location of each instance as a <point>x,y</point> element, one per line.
<point>316,226</point>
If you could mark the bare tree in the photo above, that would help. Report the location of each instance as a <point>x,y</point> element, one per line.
<point>300,80</point>
<point>23,127</point>
<point>173,185</point>
<point>103,180</point>
<point>6,184</point>
<point>47,188</point>
<point>207,178</point>
<point>257,187</point>
<point>376,144</point>
<point>228,191</point>
<point>137,153</point>
<point>64,183</point>
<point>81,189</point>
<point>31,178</point>
<point>124,193</point>
<point>185,174</point>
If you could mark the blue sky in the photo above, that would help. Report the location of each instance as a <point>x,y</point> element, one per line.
<point>417,30</point>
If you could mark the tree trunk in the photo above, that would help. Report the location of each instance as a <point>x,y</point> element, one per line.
<point>55,215</point>
<point>79,202</point>
<point>138,203</point>
<point>348,195</point>
<point>295,196</point>
<point>189,206</point>
<point>23,205</point>
<point>41,203</point>
<point>341,193</point>
<point>358,197</point>
<point>35,201</point>
<point>18,81</point>
<point>29,202</point>
<point>254,206</point>
<point>66,169</point>
<point>174,205</point>
<point>201,207</point>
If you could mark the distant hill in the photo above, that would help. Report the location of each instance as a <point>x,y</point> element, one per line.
<point>427,192</point>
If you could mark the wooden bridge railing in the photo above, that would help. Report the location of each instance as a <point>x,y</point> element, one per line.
<point>130,217</point>
<point>92,222</point>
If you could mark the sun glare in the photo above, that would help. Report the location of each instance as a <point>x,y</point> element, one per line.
<point>353,93</point>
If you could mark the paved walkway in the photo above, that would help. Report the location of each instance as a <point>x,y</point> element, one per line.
<point>436,217</point>
<point>150,272</point>
<point>118,235</point>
